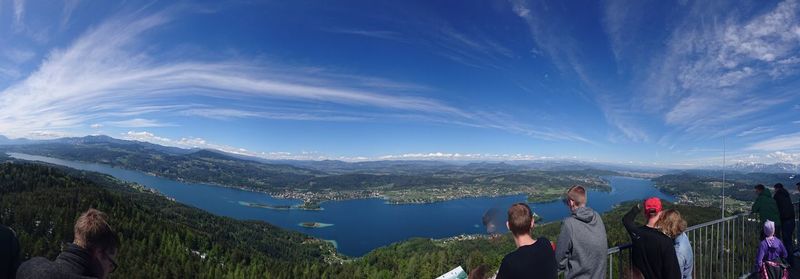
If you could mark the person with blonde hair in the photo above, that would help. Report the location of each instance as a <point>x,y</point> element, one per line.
<point>672,224</point>
<point>582,247</point>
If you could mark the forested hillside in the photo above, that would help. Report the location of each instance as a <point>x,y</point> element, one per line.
<point>160,238</point>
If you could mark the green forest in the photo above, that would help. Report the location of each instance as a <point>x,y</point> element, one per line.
<point>165,239</point>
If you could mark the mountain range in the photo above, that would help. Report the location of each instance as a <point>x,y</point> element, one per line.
<point>403,166</point>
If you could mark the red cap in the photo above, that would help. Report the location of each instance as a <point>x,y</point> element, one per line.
<point>652,204</point>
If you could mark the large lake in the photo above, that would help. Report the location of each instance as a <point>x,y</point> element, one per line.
<point>360,226</point>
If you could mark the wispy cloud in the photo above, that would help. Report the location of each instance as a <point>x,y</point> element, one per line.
<point>474,50</point>
<point>137,123</point>
<point>378,34</point>
<point>716,71</point>
<point>18,55</point>
<point>99,71</point>
<point>780,143</point>
<point>19,14</point>
<point>756,131</point>
<point>107,74</point>
<point>713,73</point>
<point>230,113</point>
<point>66,13</point>
<point>566,54</point>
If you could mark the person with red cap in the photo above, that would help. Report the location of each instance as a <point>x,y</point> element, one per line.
<point>653,252</point>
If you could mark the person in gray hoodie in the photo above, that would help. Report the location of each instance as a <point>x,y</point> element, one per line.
<point>582,248</point>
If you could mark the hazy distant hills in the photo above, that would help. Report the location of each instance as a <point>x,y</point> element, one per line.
<point>408,167</point>
<point>175,163</point>
<point>6,141</point>
<point>216,167</point>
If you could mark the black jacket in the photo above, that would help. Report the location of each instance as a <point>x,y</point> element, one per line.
<point>785,206</point>
<point>653,252</point>
<point>73,263</point>
<point>9,253</point>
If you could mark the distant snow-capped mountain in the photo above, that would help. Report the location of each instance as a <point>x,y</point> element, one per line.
<point>766,168</point>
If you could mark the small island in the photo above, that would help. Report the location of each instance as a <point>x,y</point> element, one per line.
<point>304,206</point>
<point>314,225</point>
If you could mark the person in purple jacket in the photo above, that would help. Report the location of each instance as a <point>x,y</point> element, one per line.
<point>770,249</point>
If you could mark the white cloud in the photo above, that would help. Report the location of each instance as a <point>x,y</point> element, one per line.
<point>19,13</point>
<point>475,50</point>
<point>779,143</point>
<point>101,76</point>
<point>148,137</point>
<point>96,126</point>
<point>379,34</point>
<point>756,131</point>
<point>715,72</point>
<point>47,134</point>
<point>18,55</point>
<point>66,13</point>
<point>280,114</point>
<point>137,123</point>
<point>785,157</point>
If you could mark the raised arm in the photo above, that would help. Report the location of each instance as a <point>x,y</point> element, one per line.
<point>627,221</point>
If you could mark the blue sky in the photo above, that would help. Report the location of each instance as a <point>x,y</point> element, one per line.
<point>646,82</point>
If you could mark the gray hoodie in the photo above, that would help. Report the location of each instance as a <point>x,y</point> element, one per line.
<point>582,247</point>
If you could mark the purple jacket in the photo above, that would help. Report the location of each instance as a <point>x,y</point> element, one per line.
<point>770,250</point>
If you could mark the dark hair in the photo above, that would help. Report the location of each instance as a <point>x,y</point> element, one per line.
<point>479,272</point>
<point>798,184</point>
<point>93,232</point>
<point>759,187</point>
<point>519,219</point>
<point>778,186</point>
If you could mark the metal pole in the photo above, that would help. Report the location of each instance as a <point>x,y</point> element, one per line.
<point>722,248</point>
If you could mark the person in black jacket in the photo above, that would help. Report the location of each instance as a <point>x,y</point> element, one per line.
<point>9,252</point>
<point>786,210</point>
<point>653,252</point>
<point>533,258</point>
<point>91,255</point>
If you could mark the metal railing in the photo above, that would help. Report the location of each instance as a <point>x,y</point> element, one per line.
<point>723,248</point>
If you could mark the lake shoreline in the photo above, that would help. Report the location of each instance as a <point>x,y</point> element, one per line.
<point>435,220</point>
<point>313,200</point>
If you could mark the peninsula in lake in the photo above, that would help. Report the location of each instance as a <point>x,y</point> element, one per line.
<point>313,182</point>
